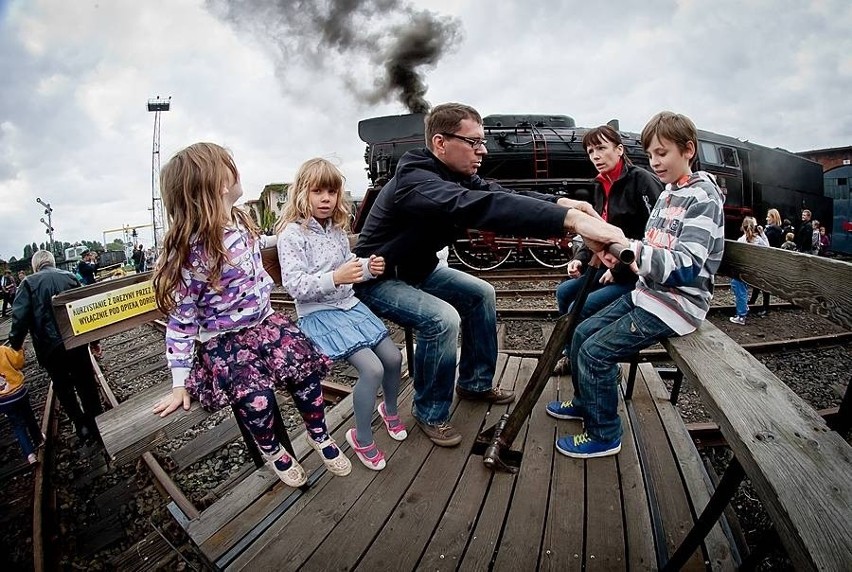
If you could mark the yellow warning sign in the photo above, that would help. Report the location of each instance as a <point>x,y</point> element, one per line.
<point>107,308</point>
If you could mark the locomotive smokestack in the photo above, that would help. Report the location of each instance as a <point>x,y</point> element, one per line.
<point>396,39</point>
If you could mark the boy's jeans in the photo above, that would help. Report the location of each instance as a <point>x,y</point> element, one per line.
<point>445,303</point>
<point>600,342</point>
<point>740,290</point>
<point>602,295</point>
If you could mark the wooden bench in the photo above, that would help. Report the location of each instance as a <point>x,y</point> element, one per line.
<point>800,468</point>
<point>130,429</point>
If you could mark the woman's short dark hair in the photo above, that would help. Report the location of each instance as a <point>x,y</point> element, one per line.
<point>604,134</point>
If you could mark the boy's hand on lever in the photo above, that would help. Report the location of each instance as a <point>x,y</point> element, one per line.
<point>172,402</point>
<point>349,272</point>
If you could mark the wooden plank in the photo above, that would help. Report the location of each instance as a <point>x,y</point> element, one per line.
<point>419,510</point>
<point>225,510</point>
<point>562,548</point>
<point>151,553</point>
<point>662,475</point>
<point>452,535</point>
<point>716,544</point>
<point>131,428</point>
<point>353,510</point>
<point>211,440</point>
<point>809,281</point>
<point>205,443</point>
<point>604,524</point>
<point>485,540</point>
<point>634,500</point>
<point>798,466</point>
<point>524,527</point>
<point>222,542</point>
<point>74,294</point>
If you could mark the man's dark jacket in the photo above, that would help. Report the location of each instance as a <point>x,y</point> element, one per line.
<point>33,312</point>
<point>426,206</point>
<point>86,270</point>
<point>632,196</point>
<point>805,237</point>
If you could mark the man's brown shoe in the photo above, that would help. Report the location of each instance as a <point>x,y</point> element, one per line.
<point>494,395</point>
<point>442,434</point>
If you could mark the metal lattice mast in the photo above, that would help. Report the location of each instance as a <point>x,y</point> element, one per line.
<point>156,106</point>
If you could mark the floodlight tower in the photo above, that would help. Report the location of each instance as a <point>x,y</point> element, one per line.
<point>157,105</point>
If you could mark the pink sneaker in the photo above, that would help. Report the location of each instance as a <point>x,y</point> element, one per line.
<point>395,427</point>
<point>376,463</point>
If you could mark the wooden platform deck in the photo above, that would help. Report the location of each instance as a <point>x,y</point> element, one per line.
<point>435,508</point>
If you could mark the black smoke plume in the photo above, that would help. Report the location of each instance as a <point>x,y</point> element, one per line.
<point>397,40</point>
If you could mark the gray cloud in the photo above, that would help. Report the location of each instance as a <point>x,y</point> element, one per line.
<point>397,39</point>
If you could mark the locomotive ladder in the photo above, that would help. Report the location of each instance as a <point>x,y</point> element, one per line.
<point>540,164</point>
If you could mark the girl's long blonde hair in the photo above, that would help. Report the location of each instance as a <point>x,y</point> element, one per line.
<point>315,174</point>
<point>749,228</point>
<point>191,185</point>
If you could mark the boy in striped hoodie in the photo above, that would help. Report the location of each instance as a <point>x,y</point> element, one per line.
<point>676,262</point>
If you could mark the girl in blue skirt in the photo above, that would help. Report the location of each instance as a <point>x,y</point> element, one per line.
<point>318,270</point>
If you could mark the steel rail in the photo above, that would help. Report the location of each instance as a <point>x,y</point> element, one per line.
<point>49,426</point>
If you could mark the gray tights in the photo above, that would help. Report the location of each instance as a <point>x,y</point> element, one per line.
<point>381,364</point>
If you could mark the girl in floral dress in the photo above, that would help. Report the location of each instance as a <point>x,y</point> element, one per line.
<point>318,270</point>
<point>224,344</point>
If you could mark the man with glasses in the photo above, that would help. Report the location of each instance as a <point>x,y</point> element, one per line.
<point>435,195</point>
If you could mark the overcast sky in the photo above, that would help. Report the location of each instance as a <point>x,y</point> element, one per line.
<point>77,74</point>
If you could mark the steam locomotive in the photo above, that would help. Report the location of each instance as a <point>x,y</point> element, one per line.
<point>544,153</point>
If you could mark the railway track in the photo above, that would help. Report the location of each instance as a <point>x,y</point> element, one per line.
<point>184,470</point>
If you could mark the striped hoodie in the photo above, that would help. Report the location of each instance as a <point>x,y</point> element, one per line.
<point>681,252</point>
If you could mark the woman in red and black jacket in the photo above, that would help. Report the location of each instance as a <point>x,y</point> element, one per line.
<point>624,196</point>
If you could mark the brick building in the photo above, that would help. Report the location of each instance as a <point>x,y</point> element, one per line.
<point>837,171</point>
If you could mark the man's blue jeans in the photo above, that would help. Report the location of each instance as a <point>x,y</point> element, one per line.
<point>600,342</point>
<point>445,303</point>
<point>599,298</point>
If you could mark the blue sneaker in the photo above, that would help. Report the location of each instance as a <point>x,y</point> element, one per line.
<point>564,410</point>
<point>584,447</point>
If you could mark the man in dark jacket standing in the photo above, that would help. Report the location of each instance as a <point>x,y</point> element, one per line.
<point>70,370</point>
<point>804,237</point>
<point>138,258</point>
<point>87,267</point>
<point>434,195</point>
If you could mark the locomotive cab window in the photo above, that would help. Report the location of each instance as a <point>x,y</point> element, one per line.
<point>712,154</point>
<point>707,153</point>
<point>729,157</point>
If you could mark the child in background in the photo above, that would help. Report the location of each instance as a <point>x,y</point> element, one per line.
<point>224,344</point>
<point>824,242</point>
<point>789,242</point>
<point>15,403</point>
<point>318,270</point>
<point>676,262</point>
<point>738,287</point>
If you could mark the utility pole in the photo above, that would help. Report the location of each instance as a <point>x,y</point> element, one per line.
<point>48,210</point>
<point>156,106</point>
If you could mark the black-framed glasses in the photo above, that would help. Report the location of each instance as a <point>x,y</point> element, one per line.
<point>474,143</point>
